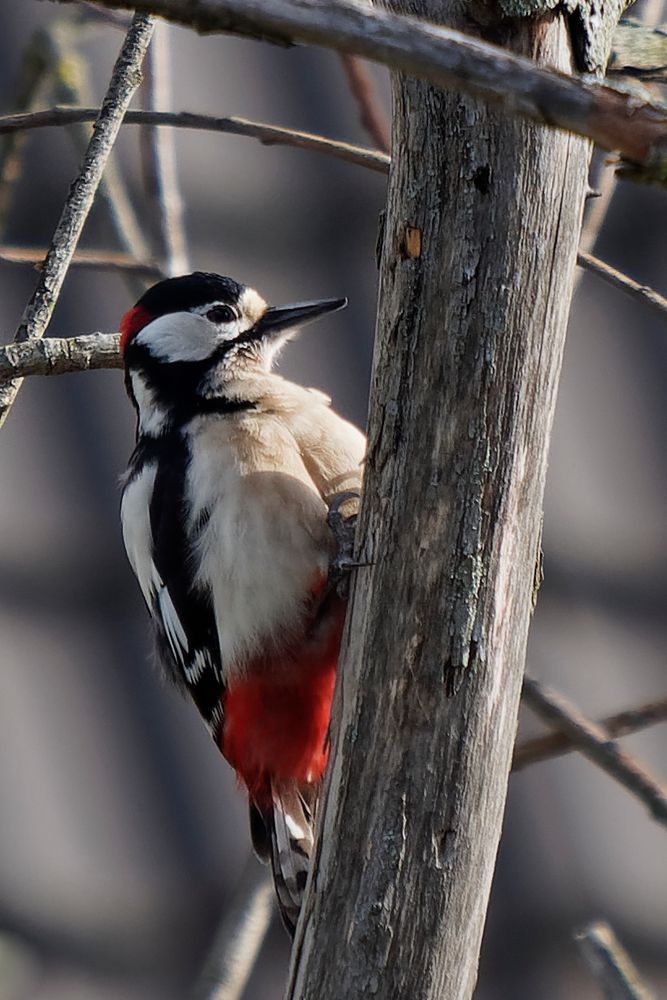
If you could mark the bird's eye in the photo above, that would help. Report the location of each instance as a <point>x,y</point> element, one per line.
<point>221,314</point>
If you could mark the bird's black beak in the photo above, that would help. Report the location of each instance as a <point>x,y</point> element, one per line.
<point>278,318</point>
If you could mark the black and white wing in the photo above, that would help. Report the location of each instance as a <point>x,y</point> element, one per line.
<point>153,516</point>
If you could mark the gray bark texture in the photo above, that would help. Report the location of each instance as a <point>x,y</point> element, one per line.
<point>478,258</point>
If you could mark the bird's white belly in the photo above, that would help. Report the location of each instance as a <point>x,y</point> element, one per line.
<point>263,545</point>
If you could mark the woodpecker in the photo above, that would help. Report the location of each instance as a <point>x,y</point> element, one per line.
<point>225,521</point>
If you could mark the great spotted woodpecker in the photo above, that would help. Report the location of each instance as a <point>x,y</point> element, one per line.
<point>224,514</point>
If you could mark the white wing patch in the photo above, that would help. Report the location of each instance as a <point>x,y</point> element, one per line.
<point>137,535</point>
<point>171,623</point>
<point>199,662</point>
<point>138,538</point>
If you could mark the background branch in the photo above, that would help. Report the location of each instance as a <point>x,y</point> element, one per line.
<point>632,720</point>
<point>610,964</point>
<point>159,160</point>
<point>268,135</point>
<point>370,114</point>
<point>124,81</point>
<point>239,937</point>
<point>595,744</point>
<point>103,260</point>
<point>71,85</point>
<point>641,293</point>
<point>615,120</point>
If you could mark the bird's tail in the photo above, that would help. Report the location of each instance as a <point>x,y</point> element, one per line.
<point>282,835</point>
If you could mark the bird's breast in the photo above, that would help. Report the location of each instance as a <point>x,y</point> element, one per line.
<point>258,533</point>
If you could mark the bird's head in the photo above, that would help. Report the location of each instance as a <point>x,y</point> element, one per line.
<point>205,319</point>
<point>199,342</point>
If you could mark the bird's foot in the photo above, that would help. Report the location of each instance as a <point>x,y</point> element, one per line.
<point>343,525</point>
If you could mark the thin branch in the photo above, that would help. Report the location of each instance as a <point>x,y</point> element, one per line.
<point>597,212</point>
<point>72,87</point>
<point>275,135</point>
<point>594,743</point>
<point>633,720</point>
<point>651,14</point>
<point>159,158</point>
<point>60,356</point>
<point>109,260</point>
<point>239,937</point>
<point>614,119</point>
<point>640,293</point>
<point>125,78</point>
<point>610,964</point>
<point>93,13</point>
<point>361,85</point>
<point>268,135</point>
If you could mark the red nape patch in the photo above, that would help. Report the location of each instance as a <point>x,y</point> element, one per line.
<point>132,322</point>
<point>277,727</point>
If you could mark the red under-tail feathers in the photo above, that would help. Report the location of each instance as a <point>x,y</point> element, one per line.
<point>275,737</point>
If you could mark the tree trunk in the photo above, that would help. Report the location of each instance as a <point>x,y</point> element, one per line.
<point>477,268</point>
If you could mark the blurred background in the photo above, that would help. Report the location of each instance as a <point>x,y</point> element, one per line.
<point>122,835</point>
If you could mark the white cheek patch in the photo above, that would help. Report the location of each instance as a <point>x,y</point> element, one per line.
<point>152,417</point>
<point>180,336</point>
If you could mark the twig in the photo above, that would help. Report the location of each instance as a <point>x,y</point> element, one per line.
<point>594,743</point>
<point>622,724</point>
<point>610,964</point>
<point>641,293</point>
<point>615,120</point>
<point>93,13</point>
<point>275,135</point>
<point>651,14</point>
<point>239,937</point>
<point>268,135</point>
<point>361,86</point>
<point>124,81</point>
<point>109,260</point>
<point>71,87</point>
<point>159,159</point>
<point>597,211</point>
<point>60,356</point>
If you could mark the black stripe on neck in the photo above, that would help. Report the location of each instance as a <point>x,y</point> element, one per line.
<point>219,404</point>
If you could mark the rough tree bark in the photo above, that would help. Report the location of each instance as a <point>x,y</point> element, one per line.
<point>478,258</point>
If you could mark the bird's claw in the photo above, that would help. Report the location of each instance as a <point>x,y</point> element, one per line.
<point>343,529</point>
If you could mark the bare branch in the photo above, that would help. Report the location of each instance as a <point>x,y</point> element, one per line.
<point>361,86</point>
<point>60,355</point>
<point>72,87</point>
<point>622,724</point>
<point>610,963</point>
<point>159,159</point>
<point>595,744</point>
<point>93,13</point>
<point>239,937</point>
<point>596,213</point>
<point>615,120</point>
<point>125,78</point>
<point>109,260</point>
<point>651,14</point>
<point>268,135</point>
<point>275,135</point>
<point>641,293</point>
